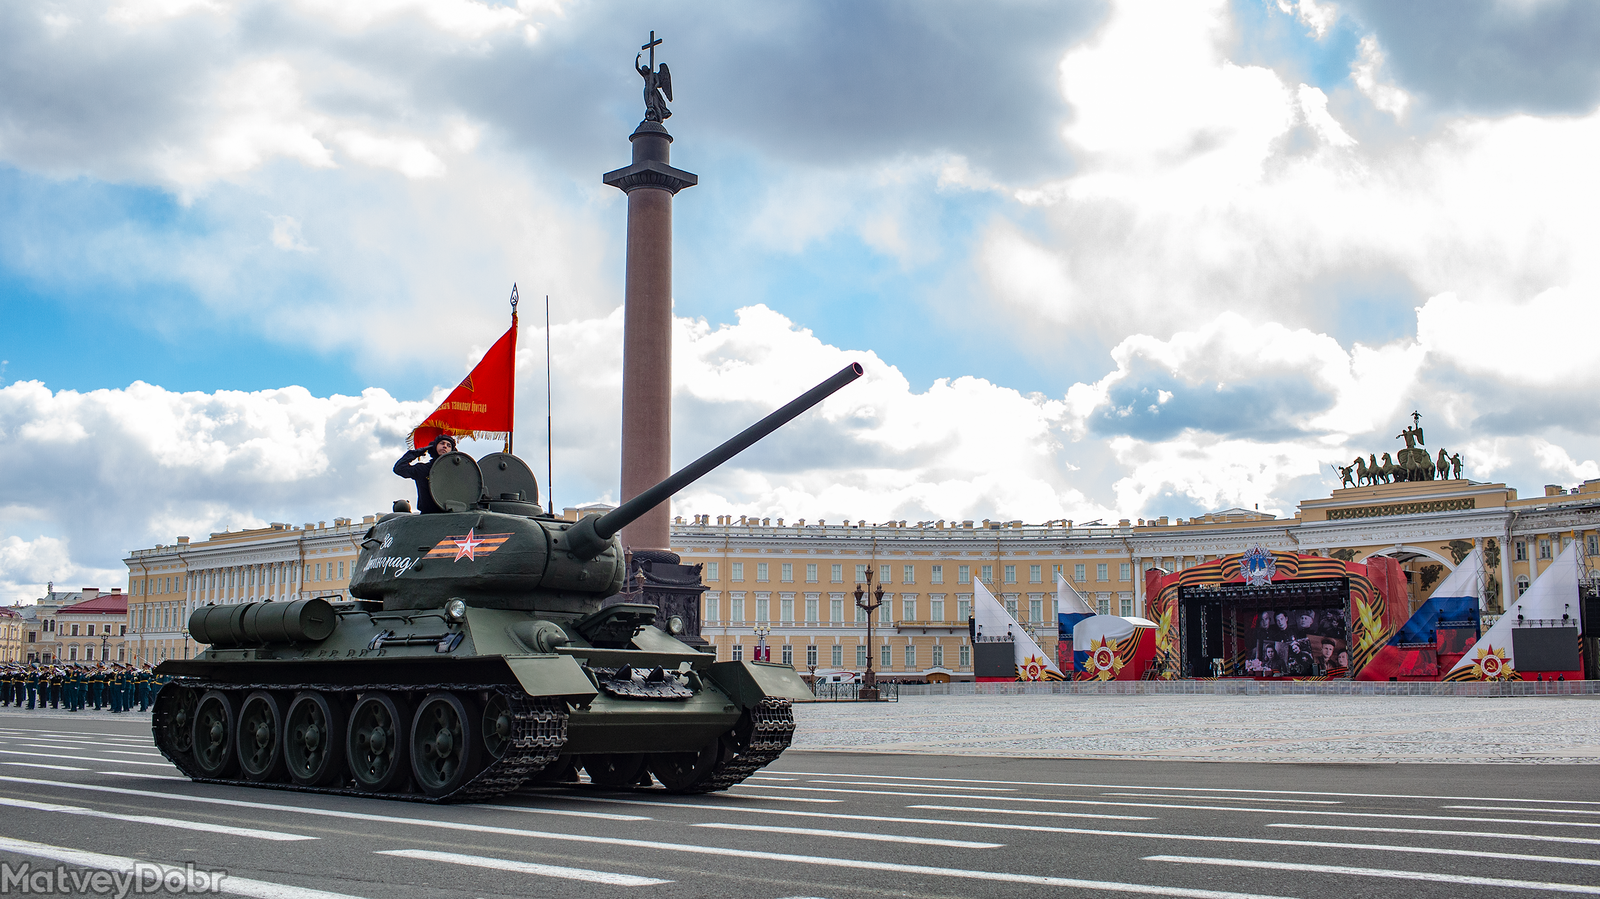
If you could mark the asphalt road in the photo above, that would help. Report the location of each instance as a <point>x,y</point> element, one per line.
<point>91,792</point>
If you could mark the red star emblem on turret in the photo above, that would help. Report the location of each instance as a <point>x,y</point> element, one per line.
<point>467,546</point>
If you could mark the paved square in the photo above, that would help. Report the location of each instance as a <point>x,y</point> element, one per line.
<point>1215,728</point>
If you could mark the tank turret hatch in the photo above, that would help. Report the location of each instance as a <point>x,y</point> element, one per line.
<point>456,482</point>
<point>509,484</point>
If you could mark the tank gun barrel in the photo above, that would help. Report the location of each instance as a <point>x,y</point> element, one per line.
<point>590,536</point>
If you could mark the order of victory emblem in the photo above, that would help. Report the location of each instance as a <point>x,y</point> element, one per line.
<point>1031,669</point>
<point>1103,660</point>
<point>1258,566</point>
<point>1492,664</point>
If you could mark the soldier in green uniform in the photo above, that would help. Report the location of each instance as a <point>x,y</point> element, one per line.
<point>33,685</point>
<point>7,685</point>
<point>119,696</point>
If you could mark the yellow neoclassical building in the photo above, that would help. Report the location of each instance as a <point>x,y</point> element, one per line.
<point>790,584</point>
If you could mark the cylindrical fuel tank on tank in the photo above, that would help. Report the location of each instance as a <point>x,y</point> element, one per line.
<point>263,623</point>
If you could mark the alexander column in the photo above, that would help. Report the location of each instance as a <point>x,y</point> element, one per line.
<point>650,183</point>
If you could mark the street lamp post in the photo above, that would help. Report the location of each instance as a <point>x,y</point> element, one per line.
<point>869,680</point>
<point>763,654</point>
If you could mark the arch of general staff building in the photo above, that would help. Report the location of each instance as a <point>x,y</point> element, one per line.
<point>788,585</point>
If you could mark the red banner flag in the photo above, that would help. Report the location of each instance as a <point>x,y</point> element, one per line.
<point>481,406</point>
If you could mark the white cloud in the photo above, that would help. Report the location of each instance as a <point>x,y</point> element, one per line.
<point>1367,71</point>
<point>286,234</point>
<point>1317,17</point>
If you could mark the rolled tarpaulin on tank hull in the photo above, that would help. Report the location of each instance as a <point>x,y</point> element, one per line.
<point>301,621</point>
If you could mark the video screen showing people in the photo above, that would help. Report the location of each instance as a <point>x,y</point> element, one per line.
<point>1295,642</point>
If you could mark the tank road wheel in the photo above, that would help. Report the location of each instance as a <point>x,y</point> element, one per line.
<point>261,737</point>
<point>444,748</point>
<point>682,772</point>
<point>616,769</point>
<point>375,744</point>
<point>311,745</point>
<point>174,717</point>
<point>214,734</point>
<point>498,726</point>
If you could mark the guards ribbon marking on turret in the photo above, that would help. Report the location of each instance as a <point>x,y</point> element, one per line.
<point>469,546</point>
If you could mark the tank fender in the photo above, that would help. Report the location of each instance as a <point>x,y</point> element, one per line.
<point>747,683</point>
<point>552,675</point>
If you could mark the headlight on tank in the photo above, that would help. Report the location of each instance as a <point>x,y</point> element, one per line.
<point>675,625</point>
<point>455,609</point>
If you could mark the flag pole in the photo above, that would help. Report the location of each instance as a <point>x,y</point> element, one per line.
<point>511,428</point>
<point>549,435</point>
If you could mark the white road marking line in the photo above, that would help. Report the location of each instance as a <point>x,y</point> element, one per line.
<point>852,835</point>
<point>75,734</point>
<point>560,811</point>
<point>1493,835</point>
<point>88,758</point>
<point>276,836</point>
<point>1231,798</point>
<point>143,775</point>
<point>1542,811</point>
<point>770,777</point>
<point>37,765</point>
<point>1104,786</point>
<point>869,783</point>
<point>238,886</point>
<point>136,752</point>
<point>1428,876</point>
<point>1251,811</point>
<point>504,864</point>
<point>743,795</point>
<point>796,813</point>
<point>690,849</point>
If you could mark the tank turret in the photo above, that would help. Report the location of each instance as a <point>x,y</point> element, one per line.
<point>485,646</point>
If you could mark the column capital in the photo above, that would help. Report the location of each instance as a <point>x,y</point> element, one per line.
<point>650,173</point>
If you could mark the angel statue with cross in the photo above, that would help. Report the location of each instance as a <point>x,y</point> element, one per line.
<point>657,81</point>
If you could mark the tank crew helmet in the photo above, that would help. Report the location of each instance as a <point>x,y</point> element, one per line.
<point>435,451</point>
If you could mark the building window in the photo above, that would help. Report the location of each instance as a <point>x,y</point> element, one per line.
<point>1102,572</point>
<point>1522,584</point>
<point>738,652</point>
<point>908,608</point>
<point>736,572</point>
<point>72,653</point>
<point>788,655</point>
<point>908,573</point>
<point>1522,551</point>
<point>736,608</point>
<point>936,574</point>
<point>341,571</point>
<point>1125,571</point>
<point>963,574</point>
<point>761,572</point>
<point>936,607</point>
<point>811,573</point>
<point>1011,574</point>
<point>711,571</point>
<point>861,614</point>
<point>1036,610</point>
<point>91,630</point>
<point>836,609</point>
<point>124,631</point>
<point>838,657</point>
<point>1544,549</point>
<point>74,630</point>
<point>1594,545</point>
<point>763,607</point>
<point>965,656</point>
<point>786,608</point>
<point>1127,608</point>
<point>1035,574</point>
<point>987,574</point>
<point>886,656</point>
<point>1078,572</point>
<point>711,607</point>
<point>911,656</point>
<point>1103,606</point>
<point>938,656</point>
<point>786,572</point>
<point>963,608</point>
<point>1011,606</point>
<point>861,574</point>
<point>838,574</point>
<point>861,657</point>
<point>811,656</point>
<point>811,608</point>
<point>88,653</point>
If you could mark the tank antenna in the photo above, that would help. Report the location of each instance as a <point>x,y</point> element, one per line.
<point>513,427</point>
<point>549,436</point>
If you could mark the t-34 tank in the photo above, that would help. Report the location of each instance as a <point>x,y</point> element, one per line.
<point>487,646</point>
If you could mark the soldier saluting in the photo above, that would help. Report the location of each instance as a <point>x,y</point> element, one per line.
<point>408,466</point>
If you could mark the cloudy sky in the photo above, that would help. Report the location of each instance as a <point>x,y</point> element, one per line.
<point>1101,260</point>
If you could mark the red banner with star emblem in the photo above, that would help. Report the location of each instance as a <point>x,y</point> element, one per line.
<point>481,406</point>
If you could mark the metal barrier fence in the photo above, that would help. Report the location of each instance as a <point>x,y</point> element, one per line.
<point>1241,687</point>
<point>888,691</point>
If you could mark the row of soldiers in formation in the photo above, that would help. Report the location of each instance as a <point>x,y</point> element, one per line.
<point>75,687</point>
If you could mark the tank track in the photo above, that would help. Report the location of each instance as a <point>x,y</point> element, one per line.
<point>539,730</point>
<point>771,731</point>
